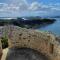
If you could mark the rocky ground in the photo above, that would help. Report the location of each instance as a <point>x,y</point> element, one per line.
<point>24,54</point>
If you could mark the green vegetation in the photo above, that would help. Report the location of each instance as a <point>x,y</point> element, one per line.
<point>29,22</point>
<point>33,22</point>
<point>4,42</point>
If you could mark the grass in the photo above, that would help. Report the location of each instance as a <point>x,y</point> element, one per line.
<point>4,42</point>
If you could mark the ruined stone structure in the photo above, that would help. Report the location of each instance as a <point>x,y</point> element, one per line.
<point>44,42</point>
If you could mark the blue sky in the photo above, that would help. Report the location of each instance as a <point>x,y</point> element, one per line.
<point>14,8</point>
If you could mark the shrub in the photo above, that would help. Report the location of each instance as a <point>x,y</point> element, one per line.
<point>4,42</point>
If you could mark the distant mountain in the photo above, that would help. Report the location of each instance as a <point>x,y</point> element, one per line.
<point>55,17</point>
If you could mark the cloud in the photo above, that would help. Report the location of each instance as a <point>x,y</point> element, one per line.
<point>35,6</point>
<point>14,5</point>
<point>20,6</point>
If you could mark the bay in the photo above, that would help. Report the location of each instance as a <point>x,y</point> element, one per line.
<point>54,28</point>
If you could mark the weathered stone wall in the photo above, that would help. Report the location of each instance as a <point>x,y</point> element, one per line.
<point>44,42</point>
<point>31,39</point>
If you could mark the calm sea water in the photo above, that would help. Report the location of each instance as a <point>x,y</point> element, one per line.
<point>54,28</point>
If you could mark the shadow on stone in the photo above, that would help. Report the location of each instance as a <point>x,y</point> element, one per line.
<point>25,54</point>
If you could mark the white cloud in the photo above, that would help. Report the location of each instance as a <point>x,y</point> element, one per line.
<point>22,4</point>
<point>34,6</point>
<point>18,6</point>
<point>55,8</point>
<point>15,5</point>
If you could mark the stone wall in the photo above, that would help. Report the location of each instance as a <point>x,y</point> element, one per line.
<point>44,42</point>
<point>30,39</point>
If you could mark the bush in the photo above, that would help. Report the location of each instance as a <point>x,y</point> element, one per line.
<point>4,43</point>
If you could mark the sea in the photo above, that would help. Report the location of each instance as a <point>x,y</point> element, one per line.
<point>54,28</point>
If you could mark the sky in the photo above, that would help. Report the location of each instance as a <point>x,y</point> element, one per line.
<point>17,8</point>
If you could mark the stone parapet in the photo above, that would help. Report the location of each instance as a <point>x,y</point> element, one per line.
<point>44,42</point>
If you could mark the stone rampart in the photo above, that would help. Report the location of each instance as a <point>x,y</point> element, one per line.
<point>44,42</point>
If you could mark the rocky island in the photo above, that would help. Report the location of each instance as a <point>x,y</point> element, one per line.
<point>28,22</point>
